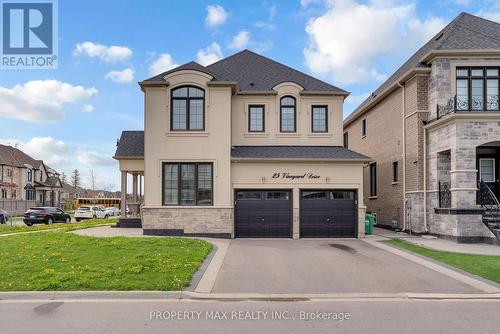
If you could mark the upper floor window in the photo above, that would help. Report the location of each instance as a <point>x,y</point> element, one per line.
<point>187,109</point>
<point>4,193</point>
<point>395,171</point>
<point>477,88</point>
<point>256,121</point>
<point>363,128</point>
<point>9,172</point>
<point>29,175</point>
<point>346,139</point>
<point>288,111</point>
<point>319,118</point>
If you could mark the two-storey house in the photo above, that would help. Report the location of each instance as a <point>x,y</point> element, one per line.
<point>244,147</point>
<point>433,130</point>
<point>26,182</point>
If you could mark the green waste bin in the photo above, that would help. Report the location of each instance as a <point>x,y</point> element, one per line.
<point>372,217</point>
<point>368,227</point>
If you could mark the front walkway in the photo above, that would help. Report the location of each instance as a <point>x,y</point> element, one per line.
<point>440,244</point>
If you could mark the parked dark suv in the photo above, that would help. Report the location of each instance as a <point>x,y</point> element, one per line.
<point>45,215</point>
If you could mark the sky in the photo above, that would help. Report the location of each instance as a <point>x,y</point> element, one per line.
<point>72,116</point>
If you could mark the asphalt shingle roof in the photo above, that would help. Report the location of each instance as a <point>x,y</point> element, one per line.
<point>465,32</point>
<point>131,144</point>
<point>296,152</point>
<point>15,157</point>
<point>254,72</point>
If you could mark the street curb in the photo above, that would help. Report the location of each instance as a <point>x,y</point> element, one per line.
<point>168,296</point>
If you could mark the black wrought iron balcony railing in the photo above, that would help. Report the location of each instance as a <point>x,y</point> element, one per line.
<point>474,104</point>
<point>444,195</point>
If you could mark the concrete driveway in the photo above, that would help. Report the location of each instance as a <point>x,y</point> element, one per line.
<point>325,266</point>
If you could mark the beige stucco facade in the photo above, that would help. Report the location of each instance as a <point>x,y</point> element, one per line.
<point>226,126</point>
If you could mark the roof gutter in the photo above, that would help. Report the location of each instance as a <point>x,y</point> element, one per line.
<point>300,160</point>
<point>402,79</point>
<point>129,158</point>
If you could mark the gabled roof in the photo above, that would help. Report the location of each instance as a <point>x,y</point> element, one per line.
<point>12,156</point>
<point>254,73</point>
<point>465,32</point>
<point>130,145</point>
<point>296,152</point>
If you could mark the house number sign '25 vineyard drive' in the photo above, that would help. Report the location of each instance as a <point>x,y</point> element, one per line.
<point>286,175</point>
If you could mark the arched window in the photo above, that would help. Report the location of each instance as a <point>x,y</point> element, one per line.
<point>288,113</point>
<point>29,175</point>
<point>187,109</point>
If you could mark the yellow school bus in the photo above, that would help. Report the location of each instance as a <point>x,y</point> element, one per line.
<point>106,202</point>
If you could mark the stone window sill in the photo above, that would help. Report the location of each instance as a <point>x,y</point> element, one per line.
<point>320,135</point>
<point>394,183</point>
<point>256,134</point>
<point>372,197</point>
<point>187,134</point>
<point>288,135</point>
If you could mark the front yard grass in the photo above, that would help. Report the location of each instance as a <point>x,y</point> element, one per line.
<point>8,229</point>
<point>487,266</point>
<point>56,260</point>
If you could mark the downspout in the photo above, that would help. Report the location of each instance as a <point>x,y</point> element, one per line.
<point>403,116</point>
<point>425,180</point>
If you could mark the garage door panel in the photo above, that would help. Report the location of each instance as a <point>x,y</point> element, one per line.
<point>263,213</point>
<point>328,213</point>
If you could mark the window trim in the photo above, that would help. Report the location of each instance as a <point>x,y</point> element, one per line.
<point>188,107</point>
<point>326,117</point>
<point>363,128</point>
<point>250,106</point>
<point>179,180</point>
<point>294,114</point>
<point>29,175</point>
<point>373,180</point>
<point>469,77</point>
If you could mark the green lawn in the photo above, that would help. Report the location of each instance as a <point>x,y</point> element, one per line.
<point>486,266</point>
<point>65,261</point>
<point>7,229</point>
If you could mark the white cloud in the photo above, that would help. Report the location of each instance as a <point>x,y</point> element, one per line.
<point>88,108</point>
<point>268,24</point>
<point>346,40</point>
<point>92,158</point>
<point>124,76</point>
<point>108,54</point>
<point>53,152</point>
<point>41,100</point>
<point>164,63</point>
<point>216,15</point>
<point>490,15</point>
<point>209,55</point>
<point>240,40</point>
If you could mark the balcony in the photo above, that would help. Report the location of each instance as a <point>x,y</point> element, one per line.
<point>478,105</point>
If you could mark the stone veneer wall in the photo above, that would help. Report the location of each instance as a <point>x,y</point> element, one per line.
<point>201,221</point>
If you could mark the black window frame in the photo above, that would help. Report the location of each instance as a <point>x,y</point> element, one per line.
<point>30,195</point>
<point>469,77</point>
<point>346,139</point>
<point>188,107</point>
<point>29,175</point>
<point>326,117</point>
<point>395,171</point>
<point>373,179</point>
<point>294,113</point>
<point>179,183</point>
<point>250,106</point>
<point>363,128</point>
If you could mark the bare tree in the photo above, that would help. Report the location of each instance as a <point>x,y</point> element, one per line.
<point>92,182</point>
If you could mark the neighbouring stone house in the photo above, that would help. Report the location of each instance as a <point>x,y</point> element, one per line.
<point>26,182</point>
<point>433,130</point>
<point>244,147</point>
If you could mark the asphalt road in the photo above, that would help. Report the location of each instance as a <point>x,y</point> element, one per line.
<point>365,316</point>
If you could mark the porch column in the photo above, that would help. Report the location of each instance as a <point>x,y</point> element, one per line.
<point>134,187</point>
<point>123,206</point>
<point>140,186</point>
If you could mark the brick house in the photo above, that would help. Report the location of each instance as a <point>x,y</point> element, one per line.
<point>244,147</point>
<point>26,182</point>
<point>433,130</point>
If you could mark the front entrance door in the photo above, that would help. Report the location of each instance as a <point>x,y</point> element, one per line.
<point>489,168</point>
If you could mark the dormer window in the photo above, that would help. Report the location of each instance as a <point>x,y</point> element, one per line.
<point>187,109</point>
<point>288,111</point>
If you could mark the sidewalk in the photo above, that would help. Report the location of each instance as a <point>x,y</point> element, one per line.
<point>440,244</point>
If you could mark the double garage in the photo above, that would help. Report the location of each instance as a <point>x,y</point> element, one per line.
<point>268,213</point>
